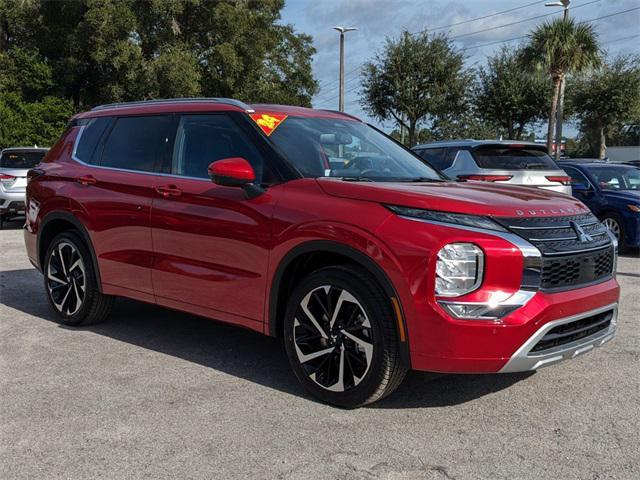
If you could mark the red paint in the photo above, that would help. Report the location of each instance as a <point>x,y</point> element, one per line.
<point>207,249</point>
<point>236,169</point>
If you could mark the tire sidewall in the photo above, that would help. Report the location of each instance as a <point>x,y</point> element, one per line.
<point>90,279</point>
<point>342,278</point>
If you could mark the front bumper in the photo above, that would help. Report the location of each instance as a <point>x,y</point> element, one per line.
<point>525,359</point>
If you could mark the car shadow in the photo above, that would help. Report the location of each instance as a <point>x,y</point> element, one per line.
<point>14,224</point>
<point>232,350</point>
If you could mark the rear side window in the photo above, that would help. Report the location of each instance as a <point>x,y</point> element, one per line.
<point>500,157</point>
<point>203,139</point>
<point>92,131</point>
<point>137,143</point>
<point>436,157</point>
<point>21,160</point>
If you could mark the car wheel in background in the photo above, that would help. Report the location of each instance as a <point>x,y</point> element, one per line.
<point>341,339</point>
<point>71,282</point>
<point>613,222</point>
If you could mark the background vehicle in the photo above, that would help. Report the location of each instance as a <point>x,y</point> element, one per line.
<point>503,162</point>
<point>612,192</point>
<point>312,226</point>
<point>14,164</point>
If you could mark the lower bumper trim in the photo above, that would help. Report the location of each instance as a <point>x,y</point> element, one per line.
<point>525,360</point>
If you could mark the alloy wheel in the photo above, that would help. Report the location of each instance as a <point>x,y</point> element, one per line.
<point>612,225</point>
<point>333,338</point>
<point>66,278</point>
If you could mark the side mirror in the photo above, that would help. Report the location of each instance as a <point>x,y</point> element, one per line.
<point>235,172</point>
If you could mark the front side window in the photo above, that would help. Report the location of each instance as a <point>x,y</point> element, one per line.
<point>203,139</point>
<point>137,143</point>
<point>329,147</point>
<point>513,157</point>
<point>21,159</point>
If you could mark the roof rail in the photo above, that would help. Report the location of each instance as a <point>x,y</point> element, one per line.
<point>227,101</point>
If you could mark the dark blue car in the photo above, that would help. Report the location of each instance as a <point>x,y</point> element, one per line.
<point>612,192</point>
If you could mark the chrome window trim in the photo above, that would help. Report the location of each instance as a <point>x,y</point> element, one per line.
<point>521,361</point>
<point>128,170</point>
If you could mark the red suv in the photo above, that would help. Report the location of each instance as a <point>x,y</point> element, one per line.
<point>313,226</point>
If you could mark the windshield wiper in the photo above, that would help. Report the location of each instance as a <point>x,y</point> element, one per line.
<point>423,180</point>
<point>356,179</point>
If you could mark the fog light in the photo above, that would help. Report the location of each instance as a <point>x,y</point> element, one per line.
<point>458,269</point>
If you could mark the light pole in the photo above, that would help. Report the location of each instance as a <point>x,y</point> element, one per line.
<point>560,112</point>
<point>342,31</point>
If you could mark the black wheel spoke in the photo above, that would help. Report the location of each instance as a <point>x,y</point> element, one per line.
<point>333,338</point>
<point>66,278</point>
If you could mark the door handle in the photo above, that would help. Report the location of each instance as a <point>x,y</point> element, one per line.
<point>86,180</point>
<point>168,191</point>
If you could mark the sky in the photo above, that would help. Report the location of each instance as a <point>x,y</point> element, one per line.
<point>475,26</point>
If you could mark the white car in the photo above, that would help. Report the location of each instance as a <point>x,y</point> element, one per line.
<point>14,165</point>
<point>508,162</point>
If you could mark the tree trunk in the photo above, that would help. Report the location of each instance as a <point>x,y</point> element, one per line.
<point>603,143</point>
<point>510,130</point>
<point>552,115</point>
<point>412,133</point>
<point>519,131</point>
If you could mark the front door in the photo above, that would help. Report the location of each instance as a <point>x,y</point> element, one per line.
<point>211,244</point>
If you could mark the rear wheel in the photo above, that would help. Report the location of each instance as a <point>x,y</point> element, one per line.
<point>340,337</point>
<point>71,282</point>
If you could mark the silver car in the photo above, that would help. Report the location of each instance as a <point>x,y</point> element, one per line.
<point>509,162</point>
<point>14,164</point>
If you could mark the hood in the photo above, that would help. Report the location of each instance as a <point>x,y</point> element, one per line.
<point>476,198</point>
<point>631,195</point>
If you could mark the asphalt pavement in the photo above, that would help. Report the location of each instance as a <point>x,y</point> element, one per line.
<point>154,393</point>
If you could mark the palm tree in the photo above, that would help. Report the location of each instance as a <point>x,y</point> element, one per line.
<point>560,47</point>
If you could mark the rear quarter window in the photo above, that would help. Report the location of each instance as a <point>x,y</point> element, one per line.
<point>436,157</point>
<point>92,131</point>
<point>513,158</point>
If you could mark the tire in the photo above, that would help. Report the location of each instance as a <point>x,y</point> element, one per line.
<point>363,338</point>
<point>613,221</point>
<point>73,279</point>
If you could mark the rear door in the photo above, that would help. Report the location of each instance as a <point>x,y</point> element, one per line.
<point>211,243</point>
<point>114,191</point>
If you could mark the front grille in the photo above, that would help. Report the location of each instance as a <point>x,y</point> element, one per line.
<point>576,250</point>
<point>556,235</point>
<point>573,331</point>
<point>576,269</point>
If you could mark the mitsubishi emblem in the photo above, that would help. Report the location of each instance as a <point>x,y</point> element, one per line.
<point>581,236</point>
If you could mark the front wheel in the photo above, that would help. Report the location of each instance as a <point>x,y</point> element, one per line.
<point>341,339</point>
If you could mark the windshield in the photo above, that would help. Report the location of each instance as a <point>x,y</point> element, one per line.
<point>616,178</point>
<point>21,160</point>
<point>513,157</point>
<point>327,147</point>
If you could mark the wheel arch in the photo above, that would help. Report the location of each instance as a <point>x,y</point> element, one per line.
<point>332,253</point>
<point>56,222</point>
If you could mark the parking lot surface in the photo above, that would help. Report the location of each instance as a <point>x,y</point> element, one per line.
<point>154,393</point>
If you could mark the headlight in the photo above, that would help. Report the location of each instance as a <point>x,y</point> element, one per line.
<point>447,217</point>
<point>458,269</point>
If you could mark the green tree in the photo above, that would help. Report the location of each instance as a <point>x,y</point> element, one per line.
<point>117,50</point>
<point>606,102</point>
<point>560,47</point>
<point>415,80</point>
<point>508,96</point>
